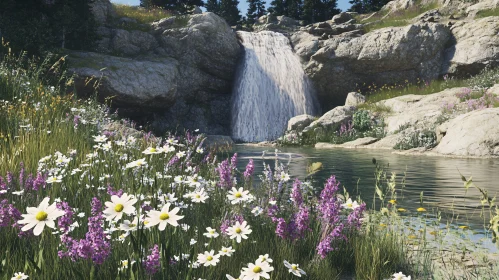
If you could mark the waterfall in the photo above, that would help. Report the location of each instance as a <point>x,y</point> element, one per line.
<point>270,88</point>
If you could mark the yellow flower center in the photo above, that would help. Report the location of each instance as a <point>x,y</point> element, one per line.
<point>132,225</point>
<point>238,230</point>
<point>119,207</point>
<point>153,150</point>
<point>18,277</point>
<point>209,258</point>
<point>257,269</point>
<point>294,267</point>
<point>238,195</point>
<point>349,205</point>
<point>198,196</point>
<point>41,216</point>
<point>212,231</point>
<point>164,216</point>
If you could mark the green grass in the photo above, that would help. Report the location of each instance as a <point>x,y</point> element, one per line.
<point>144,17</point>
<point>488,13</point>
<point>399,18</point>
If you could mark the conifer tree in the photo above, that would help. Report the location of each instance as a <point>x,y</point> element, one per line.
<point>181,7</point>
<point>213,6</point>
<point>229,11</point>
<point>256,9</point>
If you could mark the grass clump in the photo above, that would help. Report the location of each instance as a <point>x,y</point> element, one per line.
<point>488,13</point>
<point>141,15</point>
<point>53,147</point>
<point>399,18</point>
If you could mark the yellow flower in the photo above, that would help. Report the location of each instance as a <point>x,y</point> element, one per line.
<point>401,210</point>
<point>392,201</point>
<point>382,225</point>
<point>412,236</point>
<point>421,209</point>
<point>464,227</point>
<point>434,233</point>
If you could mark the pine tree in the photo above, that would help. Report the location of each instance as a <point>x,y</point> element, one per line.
<point>277,7</point>
<point>213,6</point>
<point>256,9</point>
<point>294,9</point>
<point>367,6</point>
<point>229,11</point>
<point>181,7</point>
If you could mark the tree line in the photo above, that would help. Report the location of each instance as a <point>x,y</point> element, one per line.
<point>307,10</point>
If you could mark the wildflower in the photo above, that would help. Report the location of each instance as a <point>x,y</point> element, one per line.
<point>232,278</point>
<point>239,230</point>
<point>211,233</point>
<point>19,275</point>
<point>119,205</point>
<point>257,270</point>
<point>294,268</point>
<point>226,251</point>
<point>180,154</point>
<point>208,258</point>
<point>257,211</point>
<point>152,151</point>
<point>392,201</point>
<point>199,150</point>
<point>54,179</point>
<point>400,276</point>
<point>421,209</point>
<point>124,265</point>
<point>236,196</point>
<point>100,138</point>
<point>138,163</point>
<point>151,263</point>
<point>284,176</point>
<point>193,241</point>
<point>130,226</point>
<point>249,169</point>
<point>401,210</point>
<point>350,205</point>
<point>464,227</point>
<point>265,258</point>
<point>199,196</point>
<point>163,217</point>
<point>40,216</point>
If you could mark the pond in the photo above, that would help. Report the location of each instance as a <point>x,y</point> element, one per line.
<point>438,178</point>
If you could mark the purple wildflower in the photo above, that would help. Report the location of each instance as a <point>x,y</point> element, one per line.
<point>249,169</point>
<point>151,263</point>
<point>296,195</point>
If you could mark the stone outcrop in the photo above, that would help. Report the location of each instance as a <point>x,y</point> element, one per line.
<point>355,99</point>
<point>179,74</point>
<point>300,122</point>
<point>384,56</point>
<point>332,119</point>
<point>476,47</point>
<point>473,134</point>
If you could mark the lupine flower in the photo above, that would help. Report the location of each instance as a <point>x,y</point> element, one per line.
<point>151,263</point>
<point>249,169</point>
<point>296,195</point>
<point>41,216</point>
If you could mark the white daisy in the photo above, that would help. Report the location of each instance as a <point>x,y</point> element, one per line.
<point>226,251</point>
<point>199,196</point>
<point>257,270</point>
<point>237,195</point>
<point>130,226</point>
<point>239,230</point>
<point>163,217</point>
<point>119,205</point>
<point>54,179</point>
<point>40,216</point>
<point>100,138</point>
<point>19,276</point>
<point>152,151</point>
<point>138,163</point>
<point>350,205</point>
<point>294,268</point>
<point>208,258</point>
<point>211,233</point>
<point>232,278</point>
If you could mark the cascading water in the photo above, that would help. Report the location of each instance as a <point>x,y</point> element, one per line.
<point>270,88</point>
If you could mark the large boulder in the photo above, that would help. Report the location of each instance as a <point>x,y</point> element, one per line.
<point>473,134</point>
<point>355,99</point>
<point>477,46</point>
<point>102,10</point>
<point>384,56</point>
<point>300,122</point>
<point>179,74</point>
<point>342,18</point>
<point>332,119</point>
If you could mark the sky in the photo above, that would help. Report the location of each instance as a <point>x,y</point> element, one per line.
<point>243,5</point>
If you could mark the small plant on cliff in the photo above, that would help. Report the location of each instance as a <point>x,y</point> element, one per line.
<point>362,120</point>
<point>416,138</point>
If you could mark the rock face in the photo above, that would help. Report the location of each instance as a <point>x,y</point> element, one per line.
<point>472,134</point>
<point>179,74</point>
<point>333,118</point>
<point>300,122</point>
<point>355,99</point>
<point>384,56</point>
<point>342,18</point>
<point>477,46</point>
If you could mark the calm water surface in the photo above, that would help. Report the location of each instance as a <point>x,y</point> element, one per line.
<point>437,177</point>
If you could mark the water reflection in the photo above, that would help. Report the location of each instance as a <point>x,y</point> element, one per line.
<point>437,177</point>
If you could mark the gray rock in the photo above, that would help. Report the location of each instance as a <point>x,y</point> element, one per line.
<point>384,56</point>
<point>298,123</point>
<point>305,44</point>
<point>332,119</point>
<point>196,11</point>
<point>494,90</point>
<point>477,46</point>
<point>178,76</point>
<point>357,143</point>
<point>218,142</point>
<point>473,134</point>
<point>102,10</point>
<point>342,18</point>
<point>355,99</point>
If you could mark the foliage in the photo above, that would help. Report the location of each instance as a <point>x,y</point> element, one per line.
<point>256,9</point>
<point>140,14</point>
<point>488,13</point>
<point>367,6</point>
<point>180,7</point>
<point>227,9</point>
<point>40,26</point>
<point>399,18</point>
<point>414,138</point>
<point>362,120</point>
